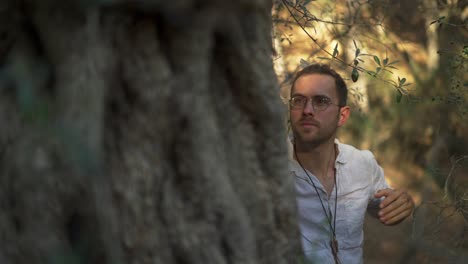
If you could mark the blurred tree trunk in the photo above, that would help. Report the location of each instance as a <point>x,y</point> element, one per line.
<point>142,132</point>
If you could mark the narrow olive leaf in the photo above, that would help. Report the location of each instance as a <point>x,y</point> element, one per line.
<point>335,51</point>
<point>323,58</point>
<point>385,61</point>
<point>358,51</point>
<point>402,81</point>
<point>377,70</point>
<point>399,96</point>
<point>355,44</point>
<point>304,63</point>
<point>393,62</point>
<point>377,60</point>
<point>356,62</point>
<point>354,75</point>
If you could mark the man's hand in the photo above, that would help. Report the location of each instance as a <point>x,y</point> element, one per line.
<point>396,206</point>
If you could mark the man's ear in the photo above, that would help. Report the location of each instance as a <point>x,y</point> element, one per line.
<point>345,111</point>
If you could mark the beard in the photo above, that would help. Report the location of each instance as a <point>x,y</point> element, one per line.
<point>306,137</point>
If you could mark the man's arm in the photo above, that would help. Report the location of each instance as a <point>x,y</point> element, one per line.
<point>396,206</point>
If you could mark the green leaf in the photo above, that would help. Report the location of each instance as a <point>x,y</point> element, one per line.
<point>377,70</point>
<point>358,51</point>
<point>393,62</point>
<point>304,63</point>
<point>402,81</point>
<point>354,75</point>
<point>377,60</point>
<point>399,96</point>
<point>355,44</point>
<point>356,62</point>
<point>385,61</point>
<point>323,58</point>
<point>335,51</point>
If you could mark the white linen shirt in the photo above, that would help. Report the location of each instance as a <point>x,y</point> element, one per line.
<point>358,177</point>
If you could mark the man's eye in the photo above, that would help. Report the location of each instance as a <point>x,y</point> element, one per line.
<point>320,100</point>
<point>298,100</point>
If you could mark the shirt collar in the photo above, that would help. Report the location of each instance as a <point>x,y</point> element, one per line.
<point>343,155</point>
<point>342,152</point>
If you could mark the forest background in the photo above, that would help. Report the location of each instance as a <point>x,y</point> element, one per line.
<point>406,65</point>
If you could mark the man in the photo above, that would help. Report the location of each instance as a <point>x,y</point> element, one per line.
<point>335,182</point>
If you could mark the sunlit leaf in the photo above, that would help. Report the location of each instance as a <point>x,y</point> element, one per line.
<point>323,58</point>
<point>304,63</point>
<point>377,60</point>
<point>402,81</point>
<point>354,75</point>
<point>385,61</point>
<point>335,51</point>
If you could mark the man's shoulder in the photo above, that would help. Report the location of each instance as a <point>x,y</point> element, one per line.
<point>351,153</point>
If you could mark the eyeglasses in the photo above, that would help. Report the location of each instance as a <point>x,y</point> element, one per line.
<point>319,102</point>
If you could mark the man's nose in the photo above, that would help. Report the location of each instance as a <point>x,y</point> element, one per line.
<point>308,108</point>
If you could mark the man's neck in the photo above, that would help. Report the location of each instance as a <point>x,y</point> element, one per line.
<point>317,159</point>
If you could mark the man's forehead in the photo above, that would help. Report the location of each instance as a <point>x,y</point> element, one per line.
<point>316,83</point>
<point>316,77</point>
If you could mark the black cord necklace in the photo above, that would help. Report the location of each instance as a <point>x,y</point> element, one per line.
<point>330,218</point>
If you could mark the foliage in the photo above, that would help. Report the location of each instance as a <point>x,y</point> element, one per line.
<point>304,18</point>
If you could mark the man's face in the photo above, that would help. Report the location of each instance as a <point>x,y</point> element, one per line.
<point>311,126</point>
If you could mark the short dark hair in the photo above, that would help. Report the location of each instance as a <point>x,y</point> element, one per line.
<point>341,88</point>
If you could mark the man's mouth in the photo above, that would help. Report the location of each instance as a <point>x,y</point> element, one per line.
<point>309,123</point>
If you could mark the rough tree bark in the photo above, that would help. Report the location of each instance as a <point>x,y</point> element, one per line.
<point>142,132</point>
